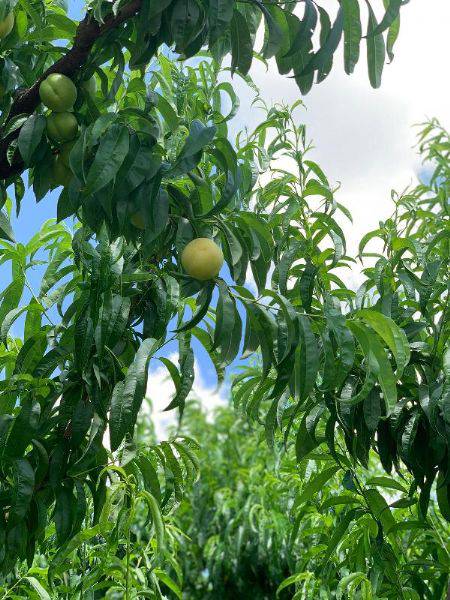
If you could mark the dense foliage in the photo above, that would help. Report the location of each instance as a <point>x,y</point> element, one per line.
<point>147,481</point>
<point>120,40</point>
<point>140,146</point>
<point>257,524</point>
<point>260,522</point>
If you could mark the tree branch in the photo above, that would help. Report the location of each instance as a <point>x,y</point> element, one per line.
<point>88,32</point>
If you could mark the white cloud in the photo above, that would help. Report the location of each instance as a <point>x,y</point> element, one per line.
<point>160,390</point>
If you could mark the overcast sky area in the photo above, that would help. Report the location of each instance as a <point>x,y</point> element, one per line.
<point>363,138</point>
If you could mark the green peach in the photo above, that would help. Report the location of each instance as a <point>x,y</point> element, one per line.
<point>6,25</point>
<point>202,259</point>
<point>62,126</point>
<point>58,92</point>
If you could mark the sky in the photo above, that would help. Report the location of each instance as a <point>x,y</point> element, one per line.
<point>363,138</point>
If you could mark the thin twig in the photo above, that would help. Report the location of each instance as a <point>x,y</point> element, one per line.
<point>88,32</point>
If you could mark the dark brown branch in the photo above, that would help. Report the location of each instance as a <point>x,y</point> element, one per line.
<point>88,32</point>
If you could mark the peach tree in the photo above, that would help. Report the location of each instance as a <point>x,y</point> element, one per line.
<point>142,153</point>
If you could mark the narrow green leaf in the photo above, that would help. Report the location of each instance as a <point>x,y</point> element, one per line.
<point>339,532</point>
<point>167,111</point>
<point>387,482</point>
<point>186,380</point>
<point>108,159</point>
<point>306,285</point>
<point>375,50</point>
<point>380,509</point>
<point>63,513</point>
<point>302,38</point>
<point>315,485</point>
<point>156,517</point>
<point>6,232</point>
<point>276,27</point>
<point>227,333</point>
<point>443,495</point>
<point>352,34</point>
<point>65,551</point>
<point>23,477</point>
<point>13,315</point>
<point>307,359</point>
<point>391,14</point>
<point>391,333</point>
<point>339,501</point>
<point>306,440</point>
<point>30,136</point>
<point>128,395</point>
<point>150,477</point>
<point>37,587</point>
<point>392,37</point>
<point>199,136</point>
<point>241,44</point>
<point>203,303</point>
<point>327,50</point>
<point>169,582</point>
<point>378,362</point>
<point>220,14</point>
